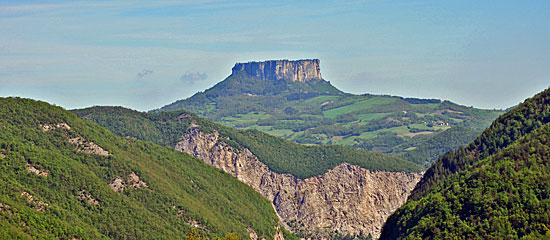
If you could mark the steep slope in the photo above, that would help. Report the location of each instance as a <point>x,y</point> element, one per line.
<point>63,177</point>
<point>528,116</point>
<point>496,187</point>
<point>290,99</point>
<point>315,189</point>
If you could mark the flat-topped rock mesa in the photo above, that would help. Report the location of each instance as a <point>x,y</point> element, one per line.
<point>299,70</point>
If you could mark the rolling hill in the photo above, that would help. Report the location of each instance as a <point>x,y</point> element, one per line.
<point>64,177</point>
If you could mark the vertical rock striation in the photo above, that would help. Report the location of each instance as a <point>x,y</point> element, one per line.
<point>347,199</point>
<point>300,70</point>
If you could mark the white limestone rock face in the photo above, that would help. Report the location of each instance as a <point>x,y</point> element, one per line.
<point>348,198</point>
<point>297,71</point>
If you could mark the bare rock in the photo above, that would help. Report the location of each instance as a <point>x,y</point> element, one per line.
<point>88,147</point>
<point>85,196</point>
<point>191,222</point>
<point>37,204</point>
<point>34,170</point>
<point>50,127</point>
<point>348,198</point>
<point>5,208</point>
<point>253,235</point>
<point>300,71</point>
<point>132,181</point>
<point>194,224</point>
<point>117,185</point>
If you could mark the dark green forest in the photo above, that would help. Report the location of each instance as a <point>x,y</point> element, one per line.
<point>495,188</point>
<point>51,188</point>
<point>528,116</point>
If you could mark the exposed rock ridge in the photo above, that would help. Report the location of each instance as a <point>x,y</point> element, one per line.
<point>86,196</point>
<point>348,198</point>
<point>35,203</point>
<point>33,169</point>
<point>48,127</point>
<point>300,70</point>
<point>132,181</point>
<point>88,147</point>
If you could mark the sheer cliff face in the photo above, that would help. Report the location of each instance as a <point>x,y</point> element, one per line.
<point>300,71</point>
<point>348,198</point>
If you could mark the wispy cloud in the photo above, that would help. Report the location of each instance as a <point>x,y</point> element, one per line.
<point>144,73</point>
<point>193,78</point>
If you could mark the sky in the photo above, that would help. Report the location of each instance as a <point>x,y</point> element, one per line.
<point>147,54</point>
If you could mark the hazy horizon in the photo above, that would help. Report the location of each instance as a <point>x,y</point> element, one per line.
<point>144,55</point>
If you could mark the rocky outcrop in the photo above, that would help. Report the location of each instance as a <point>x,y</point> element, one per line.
<point>48,127</point>
<point>300,70</point>
<point>132,181</point>
<point>87,197</point>
<point>347,199</point>
<point>81,144</point>
<point>36,171</point>
<point>88,147</point>
<point>35,203</point>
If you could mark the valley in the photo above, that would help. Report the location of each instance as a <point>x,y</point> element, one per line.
<point>318,191</point>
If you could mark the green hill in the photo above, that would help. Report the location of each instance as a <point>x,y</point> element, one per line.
<point>65,178</point>
<point>495,188</point>
<point>279,155</point>
<point>315,112</point>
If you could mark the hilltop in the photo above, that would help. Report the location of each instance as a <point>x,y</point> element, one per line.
<point>290,99</point>
<point>494,188</point>
<point>64,177</point>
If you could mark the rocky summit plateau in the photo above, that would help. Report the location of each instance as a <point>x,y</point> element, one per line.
<point>297,71</point>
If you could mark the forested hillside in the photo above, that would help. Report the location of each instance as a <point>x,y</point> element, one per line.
<point>280,155</point>
<point>495,188</point>
<point>528,116</point>
<point>65,178</point>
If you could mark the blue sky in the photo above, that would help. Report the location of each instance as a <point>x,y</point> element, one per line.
<point>146,54</point>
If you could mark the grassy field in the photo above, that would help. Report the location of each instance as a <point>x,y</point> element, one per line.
<point>362,104</point>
